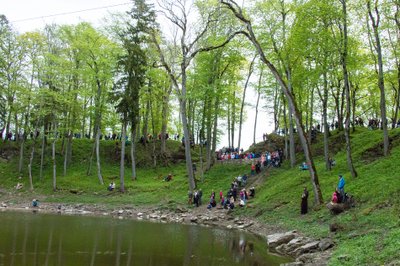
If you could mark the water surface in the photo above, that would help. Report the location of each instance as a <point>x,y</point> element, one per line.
<point>45,239</point>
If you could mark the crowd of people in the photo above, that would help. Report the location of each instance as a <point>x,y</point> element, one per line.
<point>236,194</point>
<point>264,159</point>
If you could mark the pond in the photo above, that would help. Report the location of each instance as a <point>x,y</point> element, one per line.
<point>45,239</point>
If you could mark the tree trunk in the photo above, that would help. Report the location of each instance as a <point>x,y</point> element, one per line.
<point>30,167</point>
<point>325,121</point>
<point>99,176</point>
<point>122,163</point>
<point>381,82</point>
<point>133,151</point>
<point>244,97</point>
<point>257,103</point>
<point>347,92</point>
<point>42,153</point>
<point>292,148</point>
<point>214,135</point>
<point>233,118</point>
<point>146,123</point>
<point>54,163</point>
<point>285,123</point>
<point>21,155</point>
<point>89,170</point>
<point>164,124</point>
<point>229,125</point>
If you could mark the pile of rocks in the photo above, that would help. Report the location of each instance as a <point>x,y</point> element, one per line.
<point>307,251</point>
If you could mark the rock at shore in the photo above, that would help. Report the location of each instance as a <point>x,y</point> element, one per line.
<point>280,238</point>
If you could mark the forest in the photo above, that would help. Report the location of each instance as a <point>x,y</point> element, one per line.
<point>316,62</point>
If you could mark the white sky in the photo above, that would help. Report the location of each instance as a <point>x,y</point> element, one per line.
<point>17,10</point>
<point>21,13</point>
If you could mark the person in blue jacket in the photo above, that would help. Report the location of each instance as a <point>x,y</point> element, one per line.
<point>341,187</point>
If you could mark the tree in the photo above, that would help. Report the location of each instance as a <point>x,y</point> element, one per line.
<point>375,21</point>
<point>249,33</point>
<point>177,12</point>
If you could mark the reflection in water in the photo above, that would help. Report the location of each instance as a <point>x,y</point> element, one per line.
<point>28,239</point>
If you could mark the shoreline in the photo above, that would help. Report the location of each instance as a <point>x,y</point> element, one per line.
<point>303,250</point>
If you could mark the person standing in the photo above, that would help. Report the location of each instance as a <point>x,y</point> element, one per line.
<point>304,201</point>
<point>341,188</point>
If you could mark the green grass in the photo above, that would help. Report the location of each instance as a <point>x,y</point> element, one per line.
<point>369,234</point>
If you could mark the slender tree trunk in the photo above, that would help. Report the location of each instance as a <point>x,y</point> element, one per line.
<point>214,134</point>
<point>325,121</point>
<point>347,92</point>
<point>133,151</point>
<point>233,119</point>
<point>30,167</point>
<point>164,124</point>
<point>97,143</point>
<point>122,163</point>
<point>381,82</point>
<point>89,170</point>
<point>229,125</point>
<point>146,123</point>
<point>243,99</point>
<point>54,163</point>
<point>65,159</point>
<point>285,123</point>
<point>311,117</point>
<point>257,103</point>
<point>21,155</point>
<point>186,133</point>
<point>42,153</point>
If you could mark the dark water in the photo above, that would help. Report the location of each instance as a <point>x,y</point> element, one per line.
<point>43,239</point>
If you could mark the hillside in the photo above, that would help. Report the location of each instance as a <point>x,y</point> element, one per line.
<point>368,234</point>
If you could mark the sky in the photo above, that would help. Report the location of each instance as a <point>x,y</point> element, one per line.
<point>29,15</point>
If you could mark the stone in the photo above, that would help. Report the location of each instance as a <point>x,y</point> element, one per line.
<point>120,212</point>
<point>280,238</point>
<point>164,217</point>
<point>139,214</point>
<point>193,219</point>
<point>3,205</point>
<point>325,243</point>
<point>290,248</point>
<point>295,263</point>
<point>229,227</point>
<point>307,248</point>
<point>343,257</point>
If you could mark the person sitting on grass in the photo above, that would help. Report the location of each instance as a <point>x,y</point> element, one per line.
<point>168,178</point>
<point>18,186</point>
<point>35,203</point>
<point>252,192</point>
<point>304,166</point>
<point>111,186</point>
<point>335,196</point>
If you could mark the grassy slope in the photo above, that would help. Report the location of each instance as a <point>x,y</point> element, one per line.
<point>370,232</point>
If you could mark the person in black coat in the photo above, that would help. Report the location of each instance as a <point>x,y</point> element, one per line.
<point>304,201</point>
